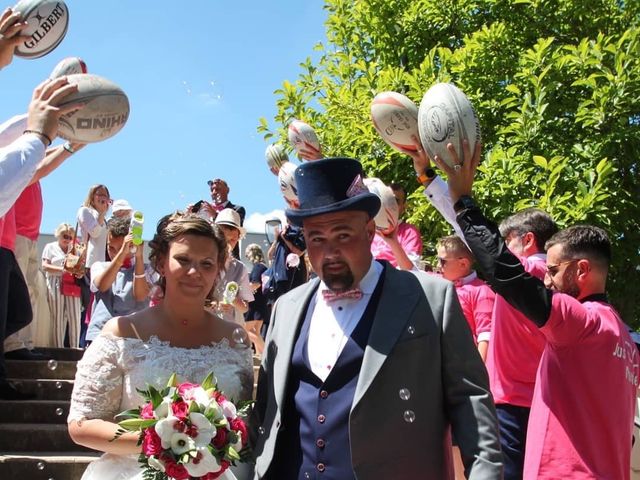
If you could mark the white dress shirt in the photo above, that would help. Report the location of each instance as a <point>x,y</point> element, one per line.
<point>332,323</point>
<point>437,193</point>
<point>19,158</point>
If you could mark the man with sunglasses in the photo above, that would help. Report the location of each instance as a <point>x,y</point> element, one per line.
<point>584,401</point>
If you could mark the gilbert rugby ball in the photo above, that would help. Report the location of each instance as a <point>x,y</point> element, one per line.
<point>48,21</point>
<point>395,117</point>
<point>275,156</point>
<point>387,218</point>
<point>304,140</point>
<point>447,116</point>
<point>287,180</point>
<point>105,111</point>
<point>69,66</point>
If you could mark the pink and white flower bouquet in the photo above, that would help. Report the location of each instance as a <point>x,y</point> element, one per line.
<point>187,431</point>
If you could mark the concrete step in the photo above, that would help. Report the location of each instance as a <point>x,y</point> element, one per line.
<point>37,437</point>
<point>71,354</point>
<point>45,466</point>
<point>53,369</point>
<point>45,388</point>
<point>34,411</point>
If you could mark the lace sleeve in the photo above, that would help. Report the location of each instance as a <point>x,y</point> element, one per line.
<point>97,391</point>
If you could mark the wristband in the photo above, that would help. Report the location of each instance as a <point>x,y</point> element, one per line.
<point>427,176</point>
<point>142,275</point>
<point>67,146</point>
<point>465,202</point>
<point>43,135</point>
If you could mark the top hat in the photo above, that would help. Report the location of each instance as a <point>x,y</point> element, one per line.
<point>331,185</point>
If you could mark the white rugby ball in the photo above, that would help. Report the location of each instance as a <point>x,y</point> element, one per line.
<point>105,111</point>
<point>69,66</point>
<point>395,117</point>
<point>48,21</point>
<point>287,180</point>
<point>275,156</point>
<point>304,140</point>
<point>447,116</point>
<point>387,218</point>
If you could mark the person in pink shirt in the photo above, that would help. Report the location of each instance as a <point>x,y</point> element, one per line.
<point>402,247</point>
<point>583,408</point>
<point>455,261</point>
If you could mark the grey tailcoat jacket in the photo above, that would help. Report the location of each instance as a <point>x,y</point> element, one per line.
<point>419,341</point>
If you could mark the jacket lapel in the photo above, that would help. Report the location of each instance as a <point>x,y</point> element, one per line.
<point>294,308</point>
<point>397,302</point>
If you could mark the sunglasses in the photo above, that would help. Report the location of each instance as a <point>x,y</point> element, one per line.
<point>67,237</point>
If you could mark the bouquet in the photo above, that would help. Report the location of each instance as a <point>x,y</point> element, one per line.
<point>187,431</point>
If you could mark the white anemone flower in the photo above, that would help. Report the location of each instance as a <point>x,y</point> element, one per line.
<point>206,431</point>
<point>204,463</point>
<point>202,398</point>
<point>182,443</point>
<point>229,409</point>
<point>156,464</point>
<point>165,430</point>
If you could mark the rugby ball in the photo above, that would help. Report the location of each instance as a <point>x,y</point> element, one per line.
<point>105,111</point>
<point>447,116</point>
<point>47,25</point>
<point>387,218</point>
<point>69,66</point>
<point>287,180</point>
<point>395,117</point>
<point>304,140</point>
<point>275,156</point>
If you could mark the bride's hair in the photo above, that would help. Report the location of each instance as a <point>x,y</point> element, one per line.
<point>174,225</point>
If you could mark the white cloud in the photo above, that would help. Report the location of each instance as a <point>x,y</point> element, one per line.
<point>255,222</point>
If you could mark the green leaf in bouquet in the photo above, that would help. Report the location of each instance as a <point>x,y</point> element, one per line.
<point>134,424</point>
<point>132,413</point>
<point>210,381</point>
<point>173,380</point>
<point>156,396</point>
<point>231,454</point>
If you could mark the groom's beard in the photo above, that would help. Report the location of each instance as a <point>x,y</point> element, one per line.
<point>338,281</point>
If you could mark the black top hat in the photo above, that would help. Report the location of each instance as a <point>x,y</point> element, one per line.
<point>331,185</point>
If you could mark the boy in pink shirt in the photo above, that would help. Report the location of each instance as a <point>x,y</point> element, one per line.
<point>583,409</point>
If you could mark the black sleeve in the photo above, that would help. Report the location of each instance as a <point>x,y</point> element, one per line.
<point>502,269</point>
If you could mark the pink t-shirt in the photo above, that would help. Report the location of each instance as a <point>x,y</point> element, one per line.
<point>8,238</point>
<point>581,420</point>
<point>515,348</point>
<point>476,299</point>
<point>28,209</point>
<point>408,237</point>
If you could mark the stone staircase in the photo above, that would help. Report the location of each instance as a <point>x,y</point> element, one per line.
<point>34,443</point>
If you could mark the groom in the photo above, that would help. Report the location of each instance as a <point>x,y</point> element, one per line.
<point>367,369</point>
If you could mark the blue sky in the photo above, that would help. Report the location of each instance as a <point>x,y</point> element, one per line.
<point>198,76</point>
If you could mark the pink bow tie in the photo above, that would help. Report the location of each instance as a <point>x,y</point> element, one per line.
<point>330,295</point>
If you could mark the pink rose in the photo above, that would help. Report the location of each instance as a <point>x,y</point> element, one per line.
<point>151,443</point>
<point>220,440</point>
<point>219,397</point>
<point>176,471</point>
<point>180,409</point>
<point>238,425</point>
<point>147,411</point>
<point>185,390</point>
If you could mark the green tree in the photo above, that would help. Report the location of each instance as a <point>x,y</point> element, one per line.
<point>555,83</point>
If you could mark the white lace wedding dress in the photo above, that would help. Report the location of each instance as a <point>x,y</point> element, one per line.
<point>113,367</point>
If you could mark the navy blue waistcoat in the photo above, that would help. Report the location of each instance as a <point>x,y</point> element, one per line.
<point>313,441</point>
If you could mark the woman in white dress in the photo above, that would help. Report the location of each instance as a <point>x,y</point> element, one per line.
<point>65,310</point>
<point>178,335</point>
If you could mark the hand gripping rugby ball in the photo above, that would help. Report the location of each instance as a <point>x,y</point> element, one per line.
<point>69,66</point>
<point>275,156</point>
<point>287,180</point>
<point>48,21</point>
<point>387,218</point>
<point>447,116</point>
<point>105,111</point>
<point>395,117</point>
<point>304,140</point>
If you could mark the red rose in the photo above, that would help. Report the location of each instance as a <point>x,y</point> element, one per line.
<point>213,475</point>
<point>176,471</point>
<point>146,412</point>
<point>220,440</point>
<point>151,443</point>
<point>185,390</point>
<point>180,409</point>
<point>238,425</point>
<point>219,397</point>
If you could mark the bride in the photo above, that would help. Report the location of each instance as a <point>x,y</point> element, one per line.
<point>178,335</point>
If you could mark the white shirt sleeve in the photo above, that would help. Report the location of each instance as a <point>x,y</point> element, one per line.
<point>19,158</point>
<point>97,269</point>
<point>437,193</point>
<point>89,223</point>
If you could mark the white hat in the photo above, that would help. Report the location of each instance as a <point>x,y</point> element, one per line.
<point>229,216</point>
<point>119,205</point>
